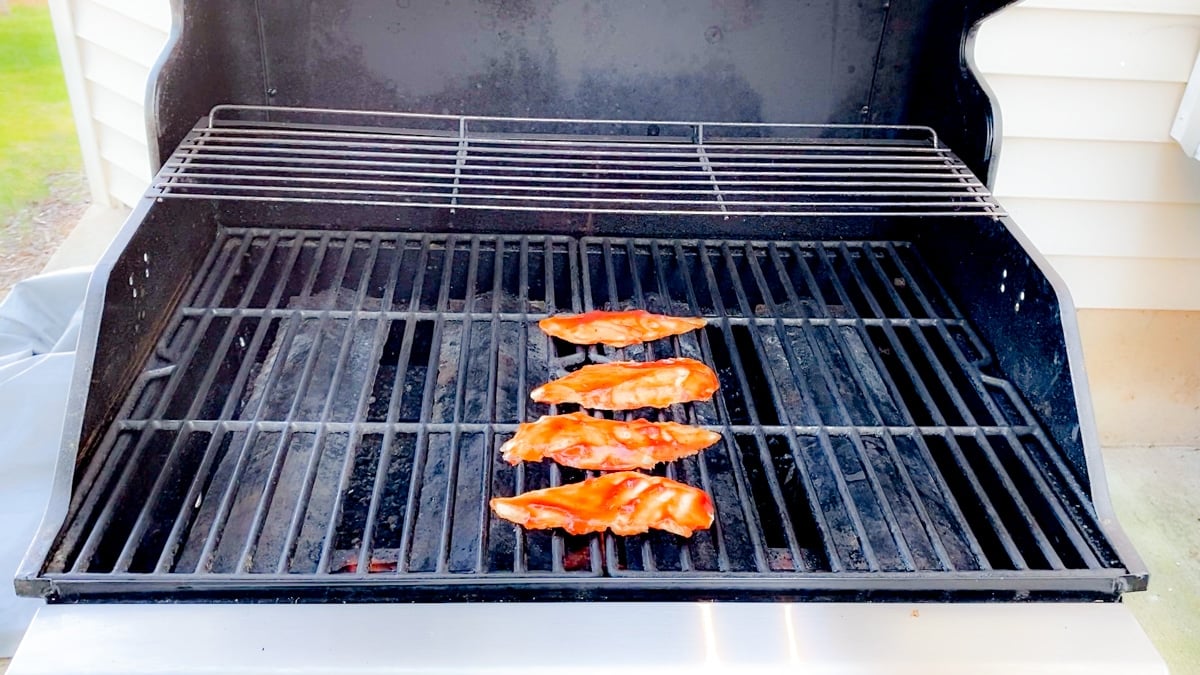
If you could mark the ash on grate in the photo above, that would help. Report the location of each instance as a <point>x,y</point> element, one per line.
<point>316,338</point>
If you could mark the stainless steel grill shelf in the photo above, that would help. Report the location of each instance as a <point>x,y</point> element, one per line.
<point>581,166</point>
<point>322,417</point>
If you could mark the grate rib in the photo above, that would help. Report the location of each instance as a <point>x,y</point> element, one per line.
<point>745,498</point>
<point>760,279</point>
<point>281,448</point>
<point>216,528</point>
<point>302,504</point>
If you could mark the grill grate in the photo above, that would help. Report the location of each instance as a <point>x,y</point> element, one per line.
<point>393,159</point>
<point>326,411</point>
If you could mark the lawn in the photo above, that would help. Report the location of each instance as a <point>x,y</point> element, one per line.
<point>37,134</point>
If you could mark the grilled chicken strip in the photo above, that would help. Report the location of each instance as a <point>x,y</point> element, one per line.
<point>616,329</point>
<point>625,502</point>
<point>626,385</point>
<point>585,442</point>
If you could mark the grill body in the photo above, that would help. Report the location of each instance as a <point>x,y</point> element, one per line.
<point>302,353</point>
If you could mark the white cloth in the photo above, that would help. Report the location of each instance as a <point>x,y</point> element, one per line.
<point>39,327</point>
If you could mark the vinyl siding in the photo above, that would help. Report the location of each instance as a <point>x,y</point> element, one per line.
<point>108,48</point>
<point>1088,90</point>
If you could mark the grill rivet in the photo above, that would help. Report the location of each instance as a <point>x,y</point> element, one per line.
<point>713,34</point>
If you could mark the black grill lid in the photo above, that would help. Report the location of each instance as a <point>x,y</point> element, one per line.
<point>880,62</point>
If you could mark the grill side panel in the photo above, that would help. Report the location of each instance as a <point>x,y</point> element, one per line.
<point>1020,305</point>
<point>146,281</point>
<point>1011,301</point>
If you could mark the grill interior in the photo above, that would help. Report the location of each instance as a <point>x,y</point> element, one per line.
<point>314,410</point>
<point>324,413</point>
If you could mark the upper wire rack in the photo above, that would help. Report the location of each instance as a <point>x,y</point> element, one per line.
<point>306,155</point>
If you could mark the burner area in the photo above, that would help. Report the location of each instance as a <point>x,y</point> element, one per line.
<point>323,416</point>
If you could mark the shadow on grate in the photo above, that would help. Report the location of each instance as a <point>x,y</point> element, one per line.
<point>326,409</point>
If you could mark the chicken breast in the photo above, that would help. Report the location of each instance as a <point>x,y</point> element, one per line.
<point>625,502</point>
<point>585,442</point>
<point>627,385</point>
<point>616,329</point>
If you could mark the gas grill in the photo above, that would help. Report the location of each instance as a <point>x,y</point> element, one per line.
<point>304,352</point>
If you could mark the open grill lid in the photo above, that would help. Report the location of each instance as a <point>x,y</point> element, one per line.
<point>312,410</point>
<point>881,62</point>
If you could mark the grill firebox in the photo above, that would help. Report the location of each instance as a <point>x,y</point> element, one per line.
<point>299,359</point>
<point>322,416</point>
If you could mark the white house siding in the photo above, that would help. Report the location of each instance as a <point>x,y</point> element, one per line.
<point>1088,90</point>
<point>108,48</point>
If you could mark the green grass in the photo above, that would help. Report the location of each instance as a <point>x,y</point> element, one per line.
<point>37,133</point>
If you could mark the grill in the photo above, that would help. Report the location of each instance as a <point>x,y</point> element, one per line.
<point>318,328</point>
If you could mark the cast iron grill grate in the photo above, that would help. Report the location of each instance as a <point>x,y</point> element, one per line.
<point>324,412</point>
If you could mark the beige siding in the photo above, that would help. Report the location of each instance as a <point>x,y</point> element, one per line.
<point>1026,114</point>
<point>108,48</point>
<point>1088,90</point>
<point>1184,7</point>
<point>1102,229</point>
<point>1110,171</point>
<point>1041,42</point>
